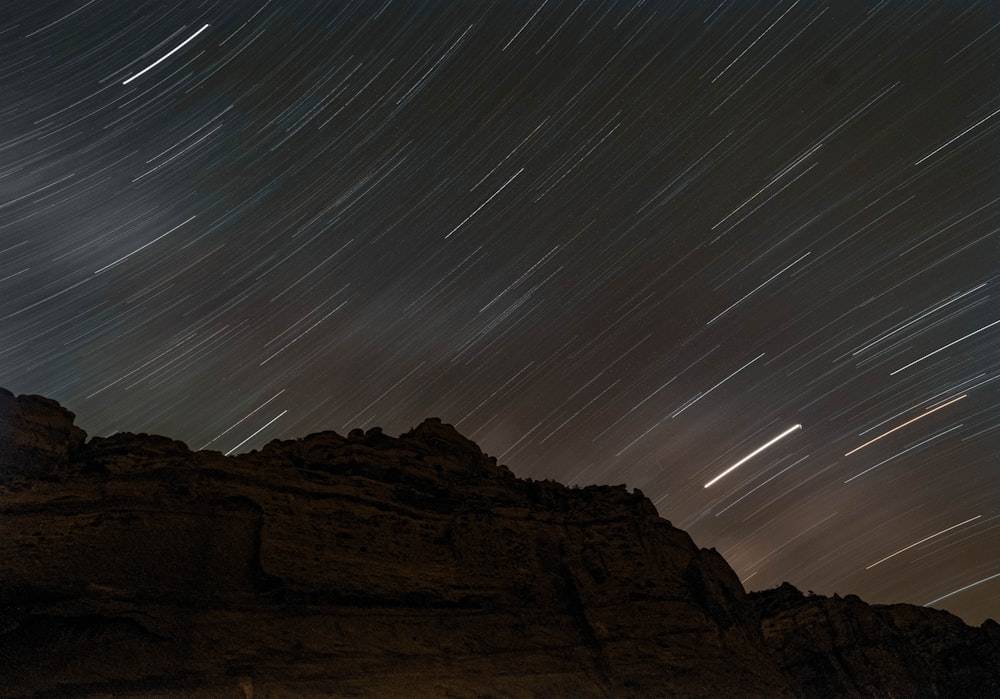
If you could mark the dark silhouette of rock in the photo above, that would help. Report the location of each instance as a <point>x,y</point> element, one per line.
<point>36,436</point>
<point>842,647</point>
<point>413,566</point>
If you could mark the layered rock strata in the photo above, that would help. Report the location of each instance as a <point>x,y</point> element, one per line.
<point>369,565</point>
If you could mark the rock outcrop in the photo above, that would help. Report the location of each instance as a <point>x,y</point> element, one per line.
<point>842,647</point>
<point>36,437</point>
<point>369,565</point>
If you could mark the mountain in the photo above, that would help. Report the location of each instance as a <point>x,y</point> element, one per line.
<point>410,566</point>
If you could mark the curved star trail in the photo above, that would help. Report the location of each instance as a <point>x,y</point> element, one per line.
<point>610,241</point>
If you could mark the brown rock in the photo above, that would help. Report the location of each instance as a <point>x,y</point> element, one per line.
<point>381,566</point>
<point>36,436</point>
<point>832,646</point>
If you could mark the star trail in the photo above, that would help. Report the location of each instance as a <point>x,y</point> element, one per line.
<point>612,242</point>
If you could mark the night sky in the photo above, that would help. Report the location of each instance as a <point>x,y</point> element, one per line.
<point>612,242</point>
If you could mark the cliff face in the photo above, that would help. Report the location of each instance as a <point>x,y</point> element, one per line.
<point>36,436</point>
<point>369,565</point>
<point>842,647</point>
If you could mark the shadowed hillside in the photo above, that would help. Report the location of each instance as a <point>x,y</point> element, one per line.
<point>369,565</point>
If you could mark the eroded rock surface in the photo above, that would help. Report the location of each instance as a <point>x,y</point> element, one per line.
<point>36,437</point>
<point>842,647</point>
<point>371,565</point>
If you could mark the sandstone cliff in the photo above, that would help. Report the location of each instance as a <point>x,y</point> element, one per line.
<point>369,565</point>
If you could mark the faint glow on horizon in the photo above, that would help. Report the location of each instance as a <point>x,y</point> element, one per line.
<point>753,454</point>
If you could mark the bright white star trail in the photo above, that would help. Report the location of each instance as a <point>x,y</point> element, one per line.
<point>165,56</point>
<point>752,454</point>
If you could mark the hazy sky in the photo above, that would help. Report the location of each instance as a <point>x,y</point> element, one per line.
<point>610,241</point>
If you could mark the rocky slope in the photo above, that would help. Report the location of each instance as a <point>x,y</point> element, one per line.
<point>369,565</point>
<point>842,647</point>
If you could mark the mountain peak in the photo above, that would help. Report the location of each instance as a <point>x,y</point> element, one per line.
<point>434,432</point>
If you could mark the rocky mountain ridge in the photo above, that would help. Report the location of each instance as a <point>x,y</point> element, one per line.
<point>371,565</point>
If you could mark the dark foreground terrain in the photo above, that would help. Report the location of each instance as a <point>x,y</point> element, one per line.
<point>374,566</point>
